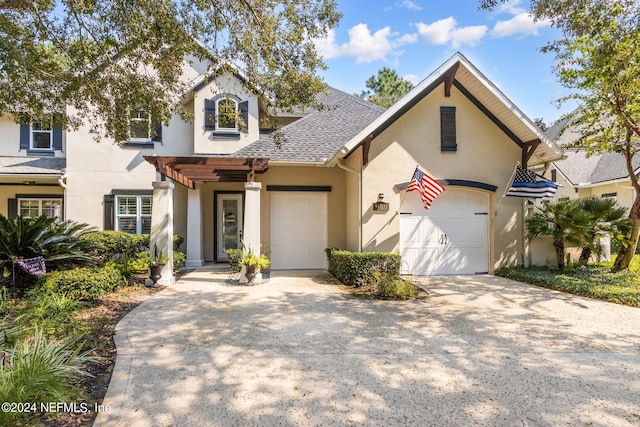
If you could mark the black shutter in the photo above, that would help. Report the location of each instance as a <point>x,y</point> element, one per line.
<point>209,114</point>
<point>109,212</point>
<point>157,137</point>
<point>25,136</point>
<point>12,208</point>
<point>57,138</point>
<point>448,129</point>
<point>243,107</point>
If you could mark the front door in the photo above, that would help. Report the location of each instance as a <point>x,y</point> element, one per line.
<point>229,216</point>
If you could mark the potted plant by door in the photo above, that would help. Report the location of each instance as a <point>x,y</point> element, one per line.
<point>253,263</point>
<point>156,261</point>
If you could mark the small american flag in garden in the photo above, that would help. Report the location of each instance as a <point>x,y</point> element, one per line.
<point>34,266</point>
<point>427,186</point>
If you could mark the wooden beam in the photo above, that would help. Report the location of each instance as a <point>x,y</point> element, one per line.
<point>528,148</point>
<point>175,175</point>
<point>366,144</point>
<point>450,76</point>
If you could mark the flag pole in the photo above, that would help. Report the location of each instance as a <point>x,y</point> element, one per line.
<point>506,188</point>
<point>405,191</point>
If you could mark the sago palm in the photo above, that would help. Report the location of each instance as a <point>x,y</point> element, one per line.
<point>564,221</point>
<point>606,217</point>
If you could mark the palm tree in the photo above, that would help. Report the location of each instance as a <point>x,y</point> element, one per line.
<point>565,221</point>
<point>58,242</point>
<point>606,217</point>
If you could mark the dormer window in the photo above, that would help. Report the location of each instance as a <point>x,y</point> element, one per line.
<point>227,113</point>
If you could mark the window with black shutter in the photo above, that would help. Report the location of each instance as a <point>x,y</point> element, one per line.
<point>448,129</point>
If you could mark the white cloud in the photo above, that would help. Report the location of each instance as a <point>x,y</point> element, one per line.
<point>522,23</point>
<point>437,33</point>
<point>411,5</point>
<point>470,36</point>
<point>412,78</point>
<point>362,44</point>
<point>446,31</point>
<point>511,7</point>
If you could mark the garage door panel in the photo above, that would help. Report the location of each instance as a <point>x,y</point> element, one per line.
<point>456,213</point>
<point>298,230</point>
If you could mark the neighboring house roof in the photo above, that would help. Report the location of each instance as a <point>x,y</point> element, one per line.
<point>582,170</point>
<point>32,165</point>
<point>460,73</point>
<point>319,134</point>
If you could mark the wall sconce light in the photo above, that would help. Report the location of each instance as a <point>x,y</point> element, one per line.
<point>380,205</point>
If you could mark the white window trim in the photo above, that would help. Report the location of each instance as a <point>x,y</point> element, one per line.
<point>40,131</point>
<point>218,128</point>
<point>138,215</point>
<point>148,119</point>
<point>39,200</point>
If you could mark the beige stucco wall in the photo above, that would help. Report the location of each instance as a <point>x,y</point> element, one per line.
<point>625,194</point>
<point>96,168</point>
<point>10,138</point>
<point>205,141</point>
<point>485,154</point>
<point>281,175</point>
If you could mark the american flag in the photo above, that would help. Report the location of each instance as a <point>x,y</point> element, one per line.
<point>529,184</point>
<point>428,187</point>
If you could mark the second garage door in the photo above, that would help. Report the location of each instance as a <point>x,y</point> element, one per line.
<point>450,238</point>
<point>298,230</point>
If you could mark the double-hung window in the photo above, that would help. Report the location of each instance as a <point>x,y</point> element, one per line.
<point>41,136</point>
<point>34,207</point>
<point>226,118</point>
<point>133,214</point>
<point>139,125</point>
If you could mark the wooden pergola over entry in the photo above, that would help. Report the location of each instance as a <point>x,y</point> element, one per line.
<point>191,169</point>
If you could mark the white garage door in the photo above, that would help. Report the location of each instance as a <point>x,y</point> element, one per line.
<point>298,230</point>
<point>450,238</point>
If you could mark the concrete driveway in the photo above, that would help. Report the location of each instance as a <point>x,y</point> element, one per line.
<point>299,351</point>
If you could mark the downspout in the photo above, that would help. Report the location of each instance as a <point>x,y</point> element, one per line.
<point>359,173</point>
<point>62,181</point>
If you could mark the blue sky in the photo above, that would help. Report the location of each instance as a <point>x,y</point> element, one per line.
<point>414,37</point>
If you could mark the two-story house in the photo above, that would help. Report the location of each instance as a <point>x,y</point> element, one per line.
<point>220,182</point>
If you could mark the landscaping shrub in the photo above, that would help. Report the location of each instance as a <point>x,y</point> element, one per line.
<point>235,259</point>
<point>38,370</point>
<point>179,259</point>
<point>111,245</point>
<point>83,284</point>
<point>357,268</point>
<point>395,287</point>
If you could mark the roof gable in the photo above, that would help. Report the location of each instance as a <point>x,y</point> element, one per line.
<point>460,73</point>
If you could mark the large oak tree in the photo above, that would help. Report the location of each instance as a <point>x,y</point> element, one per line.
<point>96,55</point>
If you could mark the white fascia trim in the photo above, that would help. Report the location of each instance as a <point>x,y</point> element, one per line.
<point>31,175</point>
<point>319,163</point>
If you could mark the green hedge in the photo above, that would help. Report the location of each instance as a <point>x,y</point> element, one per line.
<point>82,284</point>
<point>358,268</point>
<point>114,245</point>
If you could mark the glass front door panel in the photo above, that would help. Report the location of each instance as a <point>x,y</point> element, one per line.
<point>229,223</point>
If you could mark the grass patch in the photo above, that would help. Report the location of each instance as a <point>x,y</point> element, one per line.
<point>594,281</point>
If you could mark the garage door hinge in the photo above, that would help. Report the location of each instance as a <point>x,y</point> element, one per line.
<point>482,213</point>
<point>405,213</point>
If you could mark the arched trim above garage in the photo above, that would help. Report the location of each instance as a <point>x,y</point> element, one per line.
<point>457,183</point>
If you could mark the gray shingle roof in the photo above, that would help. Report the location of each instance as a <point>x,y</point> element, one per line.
<point>319,134</point>
<point>579,168</point>
<point>32,165</point>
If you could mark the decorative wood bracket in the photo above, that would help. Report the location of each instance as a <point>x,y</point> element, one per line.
<point>449,77</point>
<point>366,144</point>
<point>528,148</point>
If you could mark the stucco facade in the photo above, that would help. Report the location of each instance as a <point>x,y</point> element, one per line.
<point>332,167</point>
